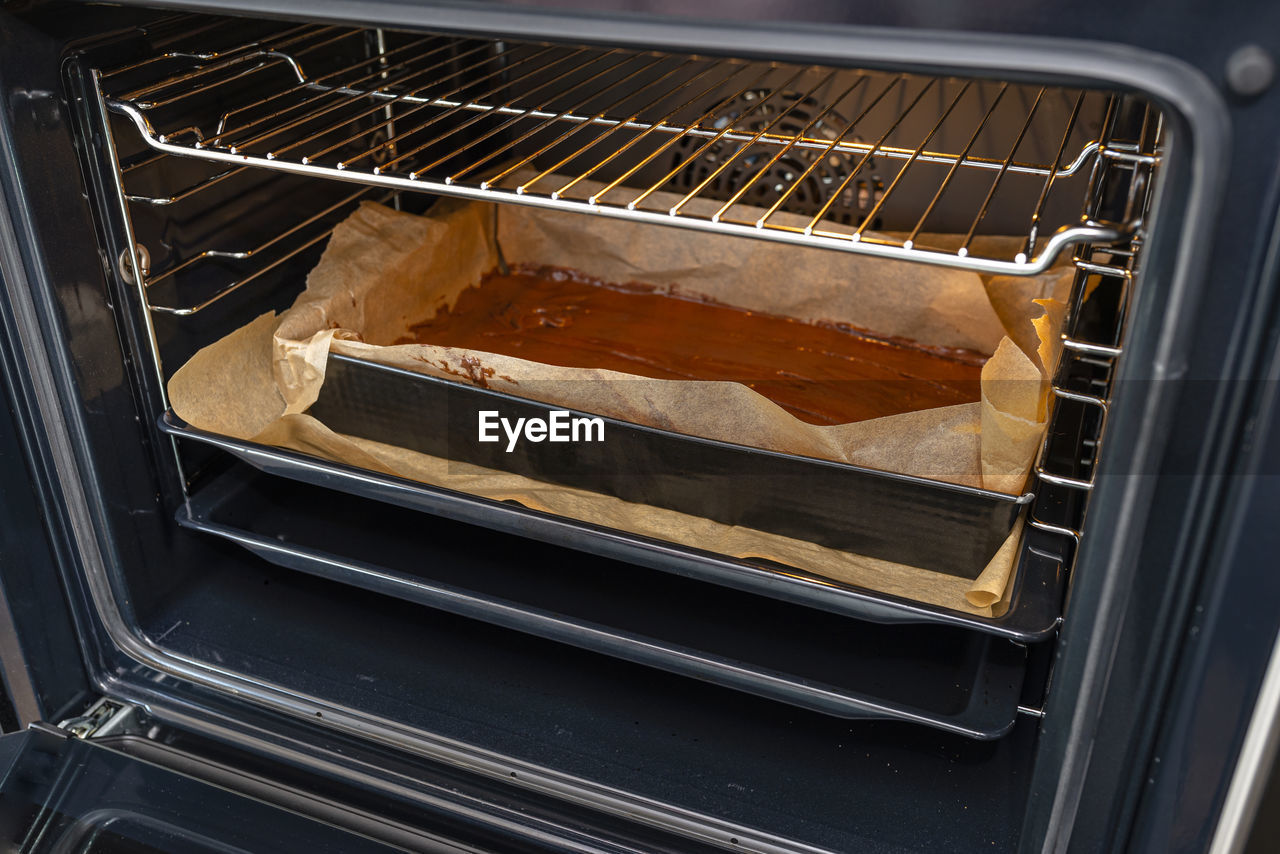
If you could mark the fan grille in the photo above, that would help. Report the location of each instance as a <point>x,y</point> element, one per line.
<point>753,111</point>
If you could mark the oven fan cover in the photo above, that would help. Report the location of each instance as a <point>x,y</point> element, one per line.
<point>803,116</point>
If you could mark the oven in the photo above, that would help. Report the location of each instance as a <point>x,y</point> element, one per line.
<point>237,638</point>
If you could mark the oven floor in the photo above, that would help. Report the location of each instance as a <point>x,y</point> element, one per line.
<point>845,785</point>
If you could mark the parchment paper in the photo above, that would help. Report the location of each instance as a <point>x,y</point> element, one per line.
<point>227,388</point>
<point>384,271</point>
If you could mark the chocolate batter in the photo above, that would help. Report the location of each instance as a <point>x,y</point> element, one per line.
<point>822,374</point>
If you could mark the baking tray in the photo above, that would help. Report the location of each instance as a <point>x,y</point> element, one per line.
<point>950,678</point>
<point>909,520</point>
<point>1033,612</point>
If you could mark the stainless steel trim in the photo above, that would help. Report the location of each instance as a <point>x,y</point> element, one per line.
<point>1254,766</point>
<point>22,693</point>
<point>137,265</point>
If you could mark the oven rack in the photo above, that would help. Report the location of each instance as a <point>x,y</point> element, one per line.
<point>277,250</point>
<point>189,283</point>
<point>1094,266</point>
<point>1082,386</point>
<point>806,155</point>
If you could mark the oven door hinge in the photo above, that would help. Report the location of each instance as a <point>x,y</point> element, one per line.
<point>103,718</point>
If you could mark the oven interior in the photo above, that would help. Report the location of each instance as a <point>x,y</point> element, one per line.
<point>219,154</point>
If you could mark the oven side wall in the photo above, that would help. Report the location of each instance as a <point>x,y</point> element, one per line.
<point>49,667</point>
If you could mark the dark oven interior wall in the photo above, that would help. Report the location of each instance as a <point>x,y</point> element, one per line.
<point>805,776</point>
<point>257,203</point>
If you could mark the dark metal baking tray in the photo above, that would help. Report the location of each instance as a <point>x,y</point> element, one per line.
<point>909,520</point>
<point>1034,606</point>
<point>950,678</point>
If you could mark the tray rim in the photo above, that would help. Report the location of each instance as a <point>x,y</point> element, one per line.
<point>1027,619</point>
<point>1022,499</point>
<point>734,674</point>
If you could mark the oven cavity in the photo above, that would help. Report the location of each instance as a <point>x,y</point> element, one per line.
<point>228,151</point>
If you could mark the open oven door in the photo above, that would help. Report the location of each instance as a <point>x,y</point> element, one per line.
<point>82,785</point>
<point>63,793</point>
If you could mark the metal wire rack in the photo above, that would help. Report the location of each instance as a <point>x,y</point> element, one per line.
<point>854,160</point>
<point>258,258</point>
<point>184,280</point>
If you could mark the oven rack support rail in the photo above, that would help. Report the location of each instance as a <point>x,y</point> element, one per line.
<point>272,252</point>
<point>593,130</point>
<point>1090,358</point>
